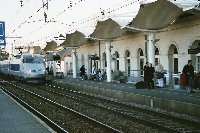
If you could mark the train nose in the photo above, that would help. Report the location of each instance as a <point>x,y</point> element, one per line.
<point>32,71</point>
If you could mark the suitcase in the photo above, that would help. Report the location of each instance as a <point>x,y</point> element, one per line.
<point>140,85</point>
<point>194,83</point>
<point>85,77</point>
<point>182,79</point>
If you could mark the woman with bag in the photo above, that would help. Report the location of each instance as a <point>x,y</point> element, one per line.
<point>159,74</point>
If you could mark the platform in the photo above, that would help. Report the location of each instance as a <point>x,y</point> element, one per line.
<point>167,98</point>
<point>16,119</point>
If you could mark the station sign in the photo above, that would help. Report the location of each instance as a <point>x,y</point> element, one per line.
<point>194,51</point>
<point>2,33</point>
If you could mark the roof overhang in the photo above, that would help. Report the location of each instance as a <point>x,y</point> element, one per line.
<point>75,39</point>
<point>107,30</point>
<point>156,15</point>
<point>51,46</point>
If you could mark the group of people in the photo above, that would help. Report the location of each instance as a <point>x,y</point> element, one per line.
<point>149,71</point>
<point>95,73</point>
<point>187,79</point>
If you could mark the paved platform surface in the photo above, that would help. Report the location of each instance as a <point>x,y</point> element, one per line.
<point>15,119</point>
<point>164,93</point>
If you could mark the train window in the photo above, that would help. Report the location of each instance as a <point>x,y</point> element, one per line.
<point>28,60</point>
<point>38,60</point>
<point>18,56</point>
<point>32,59</point>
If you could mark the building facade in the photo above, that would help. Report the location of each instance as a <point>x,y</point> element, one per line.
<point>130,51</point>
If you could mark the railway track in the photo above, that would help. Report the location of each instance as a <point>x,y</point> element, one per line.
<point>163,122</point>
<point>159,122</point>
<point>54,107</point>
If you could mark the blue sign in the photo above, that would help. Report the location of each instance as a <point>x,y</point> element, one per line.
<point>2,33</point>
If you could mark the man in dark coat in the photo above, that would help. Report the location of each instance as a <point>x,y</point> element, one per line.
<point>188,71</point>
<point>82,72</point>
<point>146,74</point>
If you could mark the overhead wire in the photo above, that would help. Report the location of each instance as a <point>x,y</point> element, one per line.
<point>71,27</point>
<point>24,22</point>
<point>17,13</point>
<point>52,19</point>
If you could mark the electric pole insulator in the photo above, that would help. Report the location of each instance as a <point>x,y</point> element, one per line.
<point>21,1</point>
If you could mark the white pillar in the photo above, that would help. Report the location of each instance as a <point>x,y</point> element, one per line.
<point>151,50</point>
<point>108,57</point>
<point>65,67</point>
<point>54,68</point>
<point>87,65</point>
<point>74,63</point>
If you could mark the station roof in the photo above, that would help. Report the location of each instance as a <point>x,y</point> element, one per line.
<point>49,56</point>
<point>38,50</point>
<point>74,39</point>
<point>64,52</point>
<point>108,29</point>
<point>51,46</point>
<point>154,15</point>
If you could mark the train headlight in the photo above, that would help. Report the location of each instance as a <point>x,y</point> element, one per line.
<point>31,70</point>
<point>42,70</point>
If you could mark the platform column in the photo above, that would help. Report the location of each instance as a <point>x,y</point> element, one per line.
<point>108,57</point>
<point>74,63</point>
<point>151,50</point>
<point>65,67</point>
<point>54,68</point>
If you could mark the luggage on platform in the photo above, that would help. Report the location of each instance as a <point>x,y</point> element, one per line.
<point>140,85</point>
<point>194,83</point>
<point>182,79</point>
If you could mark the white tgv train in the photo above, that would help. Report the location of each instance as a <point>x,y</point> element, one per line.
<point>27,67</point>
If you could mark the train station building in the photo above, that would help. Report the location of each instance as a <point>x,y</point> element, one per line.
<point>168,35</point>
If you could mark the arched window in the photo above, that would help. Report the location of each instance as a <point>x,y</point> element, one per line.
<point>141,61</point>
<point>141,52</point>
<point>117,60</point>
<point>175,50</point>
<point>127,62</point>
<point>156,51</point>
<point>104,60</point>
<point>82,60</point>
<point>173,59</point>
<point>198,58</point>
<point>156,54</point>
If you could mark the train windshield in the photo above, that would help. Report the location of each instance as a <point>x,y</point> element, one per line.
<point>33,59</point>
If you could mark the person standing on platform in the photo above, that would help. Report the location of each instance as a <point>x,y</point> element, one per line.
<point>146,74</point>
<point>188,71</point>
<point>159,74</point>
<point>82,72</point>
<point>151,75</point>
<point>94,72</point>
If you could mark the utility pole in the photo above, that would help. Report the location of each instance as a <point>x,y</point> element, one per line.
<point>45,7</point>
<point>21,2</point>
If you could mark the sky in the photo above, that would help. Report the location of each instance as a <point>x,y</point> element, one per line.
<point>25,23</point>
